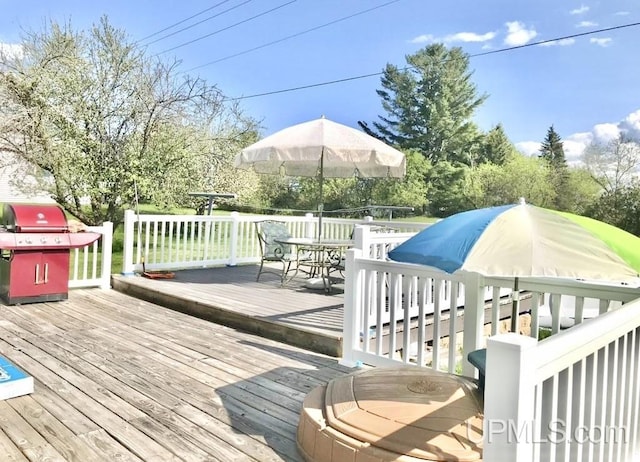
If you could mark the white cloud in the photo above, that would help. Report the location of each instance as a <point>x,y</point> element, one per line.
<point>561,42</point>
<point>603,42</point>
<point>582,10</point>
<point>529,148</point>
<point>470,37</point>
<point>425,38</point>
<point>464,37</point>
<point>621,13</point>
<point>631,124</point>
<point>574,145</point>
<point>606,132</point>
<point>11,50</point>
<point>518,34</point>
<point>586,24</point>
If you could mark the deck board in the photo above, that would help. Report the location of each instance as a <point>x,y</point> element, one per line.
<point>118,378</point>
<point>231,296</point>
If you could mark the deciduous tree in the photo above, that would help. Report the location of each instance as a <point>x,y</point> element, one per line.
<point>613,164</point>
<point>97,114</point>
<point>521,176</point>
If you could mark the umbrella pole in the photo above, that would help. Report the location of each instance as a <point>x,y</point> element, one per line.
<point>320,186</point>
<point>515,297</point>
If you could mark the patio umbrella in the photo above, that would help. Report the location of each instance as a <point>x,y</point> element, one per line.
<point>522,240</point>
<point>323,149</point>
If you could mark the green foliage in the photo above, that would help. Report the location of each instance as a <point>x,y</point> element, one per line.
<point>345,194</point>
<point>496,148</point>
<point>580,191</point>
<point>411,191</point>
<point>552,150</point>
<point>544,333</point>
<point>520,177</point>
<point>620,208</point>
<point>446,182</point>
<point>98,116</point>
<point>430,105</point>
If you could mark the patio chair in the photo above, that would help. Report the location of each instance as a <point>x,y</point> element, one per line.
<point>269,232</point>
<point>338,265</point>
<point>478,358</point>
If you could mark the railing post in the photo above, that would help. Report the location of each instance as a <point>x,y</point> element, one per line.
<point>509,399</point>
<point>234,241</point>
<point>473,319</point>
<point>352,312</point>
<point>308,229</point>
<point>130,219</point>
<point>362,239</point>
<point>107,249</point>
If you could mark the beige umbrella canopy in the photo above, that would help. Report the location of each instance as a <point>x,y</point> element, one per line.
<point>323,149</point>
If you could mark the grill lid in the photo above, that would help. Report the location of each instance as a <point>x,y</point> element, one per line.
<point>34,218</point>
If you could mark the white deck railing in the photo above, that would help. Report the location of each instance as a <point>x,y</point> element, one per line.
<point>384,300</point>
<point>572,397</point>
<point>195,241</point>
<point>581,380</point>
<point>91,265</point>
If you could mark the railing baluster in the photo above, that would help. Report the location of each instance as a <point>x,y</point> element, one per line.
<point>379,281</point>
<point>408,283</point>
<point>634,418</point>
<point>437,322</point>
<point>422,319</point>
<point>453,318</point>
<point>495,310</point>
<point>393,310</point>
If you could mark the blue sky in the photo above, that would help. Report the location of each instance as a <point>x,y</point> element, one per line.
<point>586,87</point>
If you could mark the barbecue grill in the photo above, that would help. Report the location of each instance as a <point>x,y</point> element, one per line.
<point>35,244</point>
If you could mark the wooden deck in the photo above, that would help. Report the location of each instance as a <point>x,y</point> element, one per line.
<point>309,318</point>
<point>117,378</point>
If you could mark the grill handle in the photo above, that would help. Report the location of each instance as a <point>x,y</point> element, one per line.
<point>46,274</point>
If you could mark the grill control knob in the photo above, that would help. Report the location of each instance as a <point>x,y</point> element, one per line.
<point>58,240</point>
<point>43,240</point>
<point>27,240</point>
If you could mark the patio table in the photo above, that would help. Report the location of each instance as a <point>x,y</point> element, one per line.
<point>211,197</point>
<point>321,257</point>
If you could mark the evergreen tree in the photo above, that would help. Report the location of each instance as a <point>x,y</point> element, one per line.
<point>552,149</point>
<point>496,148</point>
<point>429,106</point>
